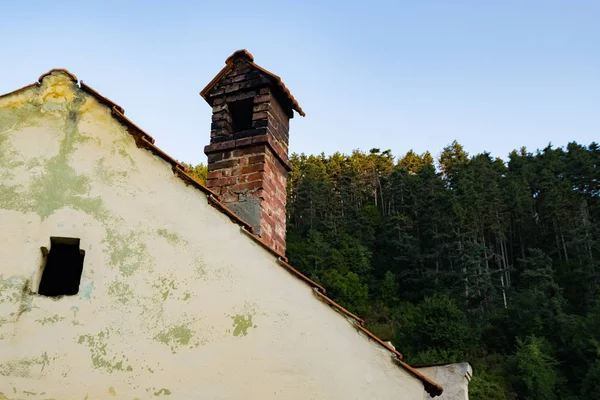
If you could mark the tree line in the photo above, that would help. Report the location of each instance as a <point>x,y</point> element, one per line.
<point>463,258</point>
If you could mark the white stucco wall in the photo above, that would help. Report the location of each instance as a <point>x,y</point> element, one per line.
<point>453,377</point>
<point>174,299</point>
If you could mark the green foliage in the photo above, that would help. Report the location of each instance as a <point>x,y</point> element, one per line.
<point>442,325</point>
<point>198,172</point>
<point>389,289</point>
<point>348,290</point>
<point>591,383</point>
<point>414,162</point>
<point>537,370</point>
<point>487,386</point>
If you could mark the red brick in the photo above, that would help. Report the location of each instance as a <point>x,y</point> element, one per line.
<point>221,124</point>
<point>239,96</point>
<point>277,204</point>
<point>260,158</point>
<point>219,108</point>
<point>248,169</point>
<point>214,174</point>
<point>229,197</point>
<point>232,180</point>
<point>261,98</point>
<point>212,148</point>
<point>247,150</point>
<point>221,116</point>
<point>259,115</point>
<point>222,164</point>
<point>254,177</point>
<point>260,107</point>
<point>247,186</point>
<point>269,188</point>
<point>260,138</point>
<point>277,237</point>
<point>232,88</point>
<point>243,142</point>
<point>215,157</point>
<point>268,220</point>
<point>266,228</point>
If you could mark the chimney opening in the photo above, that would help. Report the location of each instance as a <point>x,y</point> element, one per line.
<point>64,264</point>
<point>241,114</point>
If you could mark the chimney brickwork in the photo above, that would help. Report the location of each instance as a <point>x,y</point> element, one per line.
<point>248,151</point>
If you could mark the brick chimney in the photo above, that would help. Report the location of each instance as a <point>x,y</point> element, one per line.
<point>248,151</point>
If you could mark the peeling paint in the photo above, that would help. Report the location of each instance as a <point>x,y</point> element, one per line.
<point>99,351</point>
<point>165,287</point>
<point>171,237</point>
<point>119,146</point>
<point>50,320</point>
<point>86,287</point>
<point>58,185</point>
<point>200,266</point>
<point>121,292</point>
<point>175,337</point>
<point>163,392</point>
<point>7,158</point>
<point>16,290</point>
<point>61,186</point>
<point>241,324</point>
<point>109,175</point>
<point>11,288</point>
<point>126,251</point>
<point>24,367</point>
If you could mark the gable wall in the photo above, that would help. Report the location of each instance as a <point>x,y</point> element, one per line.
<point>174,300</point>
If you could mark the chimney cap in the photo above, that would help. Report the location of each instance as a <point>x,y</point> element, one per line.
<point>243,53</point>
<point>247,56</point>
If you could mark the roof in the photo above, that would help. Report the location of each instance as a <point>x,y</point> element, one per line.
<point>245,54</point>
<point>144,140</point>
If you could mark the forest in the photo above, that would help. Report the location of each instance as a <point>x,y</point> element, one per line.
<point>462,258</point>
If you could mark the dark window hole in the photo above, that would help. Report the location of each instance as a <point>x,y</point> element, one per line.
<point>64,265</point>
<point>241,114</point>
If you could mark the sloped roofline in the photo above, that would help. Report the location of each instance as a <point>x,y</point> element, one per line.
<point>246,54</point>
<point>144,140</point>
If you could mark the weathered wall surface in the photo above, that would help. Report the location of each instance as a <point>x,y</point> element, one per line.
<point>454,378</point>
<point>174,300</point>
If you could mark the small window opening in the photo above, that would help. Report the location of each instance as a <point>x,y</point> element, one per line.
<point>64,265</point>
<point>241,114</point>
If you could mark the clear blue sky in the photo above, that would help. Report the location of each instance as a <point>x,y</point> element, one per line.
<point>494,75</point>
